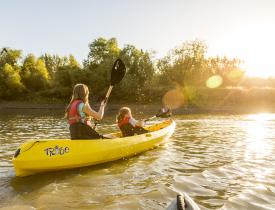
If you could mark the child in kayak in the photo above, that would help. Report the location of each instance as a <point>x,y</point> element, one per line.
<point>79,114</point>
<point>128,125</point>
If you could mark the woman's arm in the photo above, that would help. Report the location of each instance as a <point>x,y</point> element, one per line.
<point>96,115</point>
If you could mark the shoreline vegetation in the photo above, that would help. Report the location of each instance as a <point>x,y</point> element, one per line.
<point>185,80</point>
<point>28,107</point>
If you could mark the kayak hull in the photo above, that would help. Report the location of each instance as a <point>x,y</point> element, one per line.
<point>37,156</point>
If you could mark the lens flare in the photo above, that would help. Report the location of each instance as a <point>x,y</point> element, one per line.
<point>173,98</point>
<point>235,75</point>
<point>214,81</point>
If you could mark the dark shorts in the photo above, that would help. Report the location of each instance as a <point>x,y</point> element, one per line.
<point>129,130</point>
<point>83,131</point>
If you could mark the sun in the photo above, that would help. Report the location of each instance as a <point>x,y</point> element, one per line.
<point>258,68</point>
<point>257,59</point>
<point>254,45</point>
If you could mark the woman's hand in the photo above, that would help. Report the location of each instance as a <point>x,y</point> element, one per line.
<point>102,103</point>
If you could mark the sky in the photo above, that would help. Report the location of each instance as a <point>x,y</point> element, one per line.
<point>234,28</point>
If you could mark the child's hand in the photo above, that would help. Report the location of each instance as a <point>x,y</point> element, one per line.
<point>141,123</point>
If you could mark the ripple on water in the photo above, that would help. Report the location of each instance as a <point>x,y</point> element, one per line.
<point>218,160</point>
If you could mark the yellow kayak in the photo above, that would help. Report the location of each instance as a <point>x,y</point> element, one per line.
<point>36,156</point>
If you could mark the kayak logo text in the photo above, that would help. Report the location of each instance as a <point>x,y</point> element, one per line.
<point>51,151</point>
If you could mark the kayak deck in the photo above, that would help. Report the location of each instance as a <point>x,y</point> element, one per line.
<point>36,156</point>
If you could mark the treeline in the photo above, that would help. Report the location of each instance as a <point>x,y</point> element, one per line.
<point>147,79</point>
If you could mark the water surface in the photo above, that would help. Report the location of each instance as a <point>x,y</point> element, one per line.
<point>221,161</point>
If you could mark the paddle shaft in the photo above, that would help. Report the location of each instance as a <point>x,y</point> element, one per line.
<point>108,94</point>
<point>160,114</point>
<point>105,102</point>
<point>150,118</point>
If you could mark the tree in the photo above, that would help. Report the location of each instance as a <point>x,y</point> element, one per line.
<point>140,72</point>
<point>228,69</point>
<point>72,62</point>
<point>101,57</point>
<point>53,62</point>
<point>10,82</point>
<point>34,73</point>
<point>69,74</point>
<point>101,50</point>
<point>10,57</point>
<point>188,63</point>
<point>164,68</point>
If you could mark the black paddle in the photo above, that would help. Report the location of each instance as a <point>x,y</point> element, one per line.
<point>117,73</point>
<point>164,112</point>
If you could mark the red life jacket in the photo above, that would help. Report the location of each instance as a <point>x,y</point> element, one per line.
<point>128,129</point>
<point>123,122</point>
<point>74,116</point>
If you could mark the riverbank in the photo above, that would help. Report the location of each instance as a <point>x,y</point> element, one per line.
<point>18,106</point>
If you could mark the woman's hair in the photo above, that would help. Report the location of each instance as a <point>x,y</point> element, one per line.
<point>80,92</point>
<point>122,112</point>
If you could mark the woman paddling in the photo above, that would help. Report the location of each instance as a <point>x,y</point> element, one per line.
<point>79,114</point>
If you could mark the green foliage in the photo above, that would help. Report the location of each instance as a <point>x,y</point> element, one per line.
<point>53,62</point>
<point>185,65</point>
<point>101,50</point>
<point>10,82</point>
<point>188,66</point>
<point>97,67</point>
<point>140,72</point>
<point>53,76</point>
<point>72,62</point>
<point>34,73</point>
<point>11,57</point>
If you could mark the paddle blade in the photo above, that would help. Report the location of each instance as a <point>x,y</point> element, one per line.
<point>118,72</point>
<point>164,113</point>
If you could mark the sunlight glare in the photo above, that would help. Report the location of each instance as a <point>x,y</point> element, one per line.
<point>260,117</point>
<point>254,45</point>
<point>256,143</point>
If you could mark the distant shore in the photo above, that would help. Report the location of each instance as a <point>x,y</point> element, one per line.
<point>18,106</point>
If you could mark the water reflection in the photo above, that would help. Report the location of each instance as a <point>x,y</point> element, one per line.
<point>257,145</point>
<point>222,161</point>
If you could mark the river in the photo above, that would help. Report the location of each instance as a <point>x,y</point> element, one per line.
<point>221,161</point>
